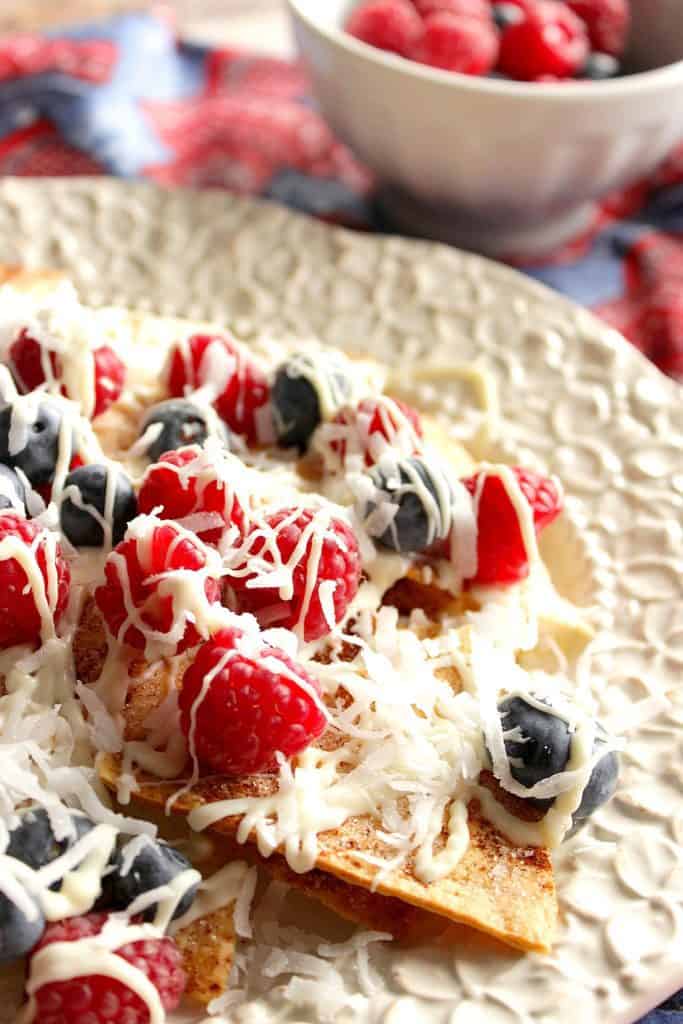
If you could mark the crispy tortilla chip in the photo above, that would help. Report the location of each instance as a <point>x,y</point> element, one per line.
<point>148,684</point>
<point>503,890</point>
<point>419,590</point>
<point>89,646</point>
<point>208,947</point>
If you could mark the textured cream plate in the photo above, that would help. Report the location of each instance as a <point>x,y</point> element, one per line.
<point>576,398</point>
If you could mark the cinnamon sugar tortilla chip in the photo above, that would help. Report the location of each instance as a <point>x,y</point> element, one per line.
<point>506,891</point>
<point>207,946</point>
<point>417,589</point>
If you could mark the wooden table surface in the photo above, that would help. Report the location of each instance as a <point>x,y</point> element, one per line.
<point>254,24</point>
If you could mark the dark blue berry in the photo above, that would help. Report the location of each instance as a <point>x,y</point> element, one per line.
<point>307,388</point>
<point>541,748</point>
<point>505,15</point>
<point>600,66</point>
<point>422,518</point>
<point>18,933</point>
<point>38,458</point>
<point>600,787</point>
<point>33,842</point>
<point>155,865</point>
<point>90,482</point>
<point>182,423</point>
<point>12,491</point>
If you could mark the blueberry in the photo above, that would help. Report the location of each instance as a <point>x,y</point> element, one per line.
<point>308,388</point>
<point>18,933</point>
<point>541,745</point>
<point>78,524</point>
<point>505,15</point>
<point>182,423</point>
<point>541,748</point>
<point>156,864</point>
<point>12,491</point>
<point>600,787</point>
<point>33,842</point>
<point>600,66</point>
<point>38,458</point>
<point>423,495</point>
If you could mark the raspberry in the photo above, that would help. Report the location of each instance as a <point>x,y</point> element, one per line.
<point>27,361</point>
<point>20,607</point>
<point>388,24</point>
<point>456,43</point>
<point>549,41</point>
<point>607,23</point>
<point>99,998</point>
<point>245,392</point>
<point>253,706</point>
<point>542,493</point>
<point>501,554</point>
<point>143,575</point>
<point>110,376</point>
<point>372,425</point>
<point>296,543</point>
<point>467,8</point>
<point>184,482</point>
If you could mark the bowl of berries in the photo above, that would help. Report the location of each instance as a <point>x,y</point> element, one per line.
<point>497,126</point>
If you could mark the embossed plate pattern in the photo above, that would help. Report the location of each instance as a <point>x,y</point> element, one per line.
<point>576,397</point>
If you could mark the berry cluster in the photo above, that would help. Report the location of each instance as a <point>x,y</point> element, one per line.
<point>528,40</point>
<point>23,930</point>
<point>418,500</point>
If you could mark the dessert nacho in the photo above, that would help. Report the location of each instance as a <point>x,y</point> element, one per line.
<point>253,601</point>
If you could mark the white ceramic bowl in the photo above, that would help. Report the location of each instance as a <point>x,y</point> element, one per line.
<point>497,166</point>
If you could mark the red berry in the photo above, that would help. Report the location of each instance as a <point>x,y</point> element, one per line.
<point>318,566</point>
<point>110,376</point>
<point>30,370</point>
<point>607,22</point>
<point>372,425</point>
<point>242,390</point>
<point>457,43</point>
<point>467,8</point>
<point>26,362</point>
<point>99,998</point>
<point>543,494</point>
<point>25,545</point>
<point>187,481</point>
<point>143,574</point>
<point>501,553</point>
<point>549,41</point>
<point>392,25</point>
<point>257,702</point>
